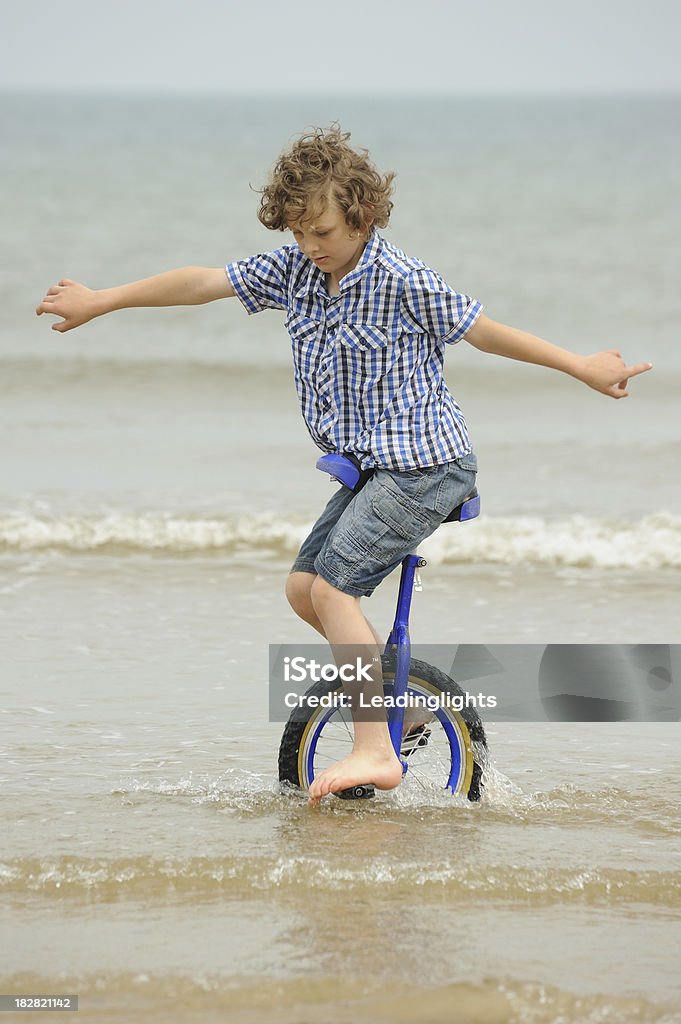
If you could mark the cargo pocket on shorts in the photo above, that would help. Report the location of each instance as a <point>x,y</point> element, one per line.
<point>403,515</point>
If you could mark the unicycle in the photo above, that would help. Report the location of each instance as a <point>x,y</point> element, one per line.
<point>441,743</point>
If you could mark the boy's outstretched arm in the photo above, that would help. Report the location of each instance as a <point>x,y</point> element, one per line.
<point>604,371</point>
<point>188,286</point>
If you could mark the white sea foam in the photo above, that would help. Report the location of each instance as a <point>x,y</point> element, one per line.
<point>648,543</point>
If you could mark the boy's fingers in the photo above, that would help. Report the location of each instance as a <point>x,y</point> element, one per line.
<point>633,371</point>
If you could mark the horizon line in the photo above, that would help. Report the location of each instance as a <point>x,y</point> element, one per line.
<point>277,95</point>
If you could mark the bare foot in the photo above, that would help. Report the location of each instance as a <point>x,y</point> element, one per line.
<point>384,770</point>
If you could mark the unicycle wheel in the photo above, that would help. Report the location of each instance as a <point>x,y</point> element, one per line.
<point>444,744</point>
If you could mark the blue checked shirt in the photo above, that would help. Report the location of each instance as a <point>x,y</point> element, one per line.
<point>368,362</point>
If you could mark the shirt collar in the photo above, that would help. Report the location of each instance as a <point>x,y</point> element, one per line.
<point>315,279</point>
<point>370,254</point>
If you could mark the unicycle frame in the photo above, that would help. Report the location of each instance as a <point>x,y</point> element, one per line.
<point>399,644</point>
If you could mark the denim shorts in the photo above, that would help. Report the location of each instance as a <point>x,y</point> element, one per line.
<point>360,538</point>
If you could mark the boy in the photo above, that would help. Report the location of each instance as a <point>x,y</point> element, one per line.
<point>368,327</point>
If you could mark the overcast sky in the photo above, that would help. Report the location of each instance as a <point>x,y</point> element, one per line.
<point>350,46</point>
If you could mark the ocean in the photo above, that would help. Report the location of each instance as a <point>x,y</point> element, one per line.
<point>156,481</point>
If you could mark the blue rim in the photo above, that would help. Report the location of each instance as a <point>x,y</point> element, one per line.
<point>450,732</point>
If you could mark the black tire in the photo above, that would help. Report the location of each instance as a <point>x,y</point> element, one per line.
<point>455,739</point>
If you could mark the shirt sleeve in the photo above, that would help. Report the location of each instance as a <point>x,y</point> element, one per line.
<point>261,282</point>
<point>430,305</point>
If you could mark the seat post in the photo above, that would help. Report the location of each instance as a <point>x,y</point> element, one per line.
<point>400,625</point>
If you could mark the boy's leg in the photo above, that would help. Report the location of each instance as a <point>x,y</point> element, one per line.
<point>298,592</point>
<point>303,573</point>
<point>351,636</point>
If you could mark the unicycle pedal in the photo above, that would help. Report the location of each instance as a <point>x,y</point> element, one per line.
<point>364,792</point>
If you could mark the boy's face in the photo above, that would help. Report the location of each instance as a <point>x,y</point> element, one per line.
<point>327,240</point>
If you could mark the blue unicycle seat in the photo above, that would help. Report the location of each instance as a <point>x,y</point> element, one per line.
<point>468,509</point>
<point>346,469</point>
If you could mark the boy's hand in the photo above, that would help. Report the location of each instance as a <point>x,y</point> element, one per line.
<point>608,373</point>
<point>72,301</point>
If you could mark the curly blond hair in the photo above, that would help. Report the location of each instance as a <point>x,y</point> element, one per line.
<point>318,168</point>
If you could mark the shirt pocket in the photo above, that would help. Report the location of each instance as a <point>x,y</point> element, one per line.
<point>363,337</point>
<point>301,328</point>
<point>362,354</point>
<point>304,333</point>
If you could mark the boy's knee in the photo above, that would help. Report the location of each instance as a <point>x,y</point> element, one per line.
<point>298,587</point>
<point>323,595</point>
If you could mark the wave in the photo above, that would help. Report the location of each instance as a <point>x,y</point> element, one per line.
<point>648,543</point>
<point>206,878</point>
<point>327,994</point>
